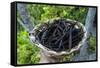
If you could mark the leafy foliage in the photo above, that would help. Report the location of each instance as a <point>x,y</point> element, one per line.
<point>40,13</point>
<point>92,44</point>
<point>26,53</point>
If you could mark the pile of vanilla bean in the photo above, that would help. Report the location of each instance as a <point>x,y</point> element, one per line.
<point>60,35</point>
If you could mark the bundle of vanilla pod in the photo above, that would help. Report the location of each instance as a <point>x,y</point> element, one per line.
<point>60,34</point>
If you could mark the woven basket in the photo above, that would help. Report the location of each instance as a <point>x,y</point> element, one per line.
<point>33,33</point>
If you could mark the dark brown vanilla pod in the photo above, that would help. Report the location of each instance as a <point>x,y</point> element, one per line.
<point>60,35</point>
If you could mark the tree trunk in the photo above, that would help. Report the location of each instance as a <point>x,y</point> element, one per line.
<point>25,18</point>
<point>84,55</point>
